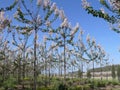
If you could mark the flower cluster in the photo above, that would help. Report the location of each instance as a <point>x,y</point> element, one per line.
<point>88,38</point>
<point>38,20</point>
<point>102,10</point>
<point>53,7</point>
<point>2,16</point>
<point>46,3</point>
<point>115,4</point>
<point>61,14</point>
<point>85,4</point>
<point>4,22</point>
<point>75,29</point>
<point>39,2</point>
<point>65,23</point>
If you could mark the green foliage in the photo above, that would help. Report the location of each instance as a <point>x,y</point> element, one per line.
<point>60,86</point>
<point>98,13</point>
<point>88,74</point>
<point>10,7</point>
<point>80,74</point>
<point>118,73</point>
<point>101,84</point>
<point>1,80</point>
<point>9,83</point>
<point>45,88</point>
<point>113,72</point>
<point>80,87</point>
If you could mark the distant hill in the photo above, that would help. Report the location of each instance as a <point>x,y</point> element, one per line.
<point>105,68</point>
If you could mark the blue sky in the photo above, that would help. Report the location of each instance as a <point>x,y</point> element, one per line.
<point>96,27</point>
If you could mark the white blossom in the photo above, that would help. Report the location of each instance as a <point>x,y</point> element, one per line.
<point>30,32</point>
<point>102,10</point>
<point>61,14</point>
<point>2,16</point>
<point>56,11</point>
<point>93,40</point>
<point>53,7</point>
<point>115,4</point>
<point>3,21</point>
<point>48,23</point>
<point>82,45</point>
<point>99,47</point>
<point>46,3</point>
<point>85,4</point>
<point>50,32</point>
<point>5,43</point>
<point>38,20</point>
<point>103,52</point>
<point>88,38</point>
<point>61,32</point>
<point>81,32</point>
<point>16,14</point>
<point>45,38</point>
<point>65,23</point>
<point>39,2</point>
<point>75,29</point>
<point>13,42</point>
<point>29,50</point>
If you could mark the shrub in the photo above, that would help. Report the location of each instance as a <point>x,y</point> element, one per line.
<point>101,84</point>
<point>86,87</point>
<point>1,81</point>
<point>26,79</point>
<point>70,82</point>
<point>45,88</point>
<point>60,86</point>
<point>115,82</point>
<point>80,87</point>
<point>9,83</point>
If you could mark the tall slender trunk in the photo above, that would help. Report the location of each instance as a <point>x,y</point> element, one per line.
<point>64,59</point>
<point>93,70</point>
<point>82,70</point>
<point>35,59</point>
<point>101,69</point>
<point>49,71</point>
<point>19,71</point>
<point>59,67</point>
<point>72,72</point>
<point>23,72</point>
<point>45,72</point>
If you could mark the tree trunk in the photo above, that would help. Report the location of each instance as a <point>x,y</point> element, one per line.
<point>64,61</point>
<point>35,59</point>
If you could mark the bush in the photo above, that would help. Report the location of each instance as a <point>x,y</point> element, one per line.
<point>26,79</point>
<point>115,82</point>
<point>83,87</point>
<point>70,82</point>
<point>9,83</point>
<point>44,88</point>
<point>1,81</point>
<point>101,84</point>
<point>60,86</point>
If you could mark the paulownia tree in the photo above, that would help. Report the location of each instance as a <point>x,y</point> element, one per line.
<point>87,51</point>
<point>21,43</point>
<point>64,37</point>
<point>36,19</point>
